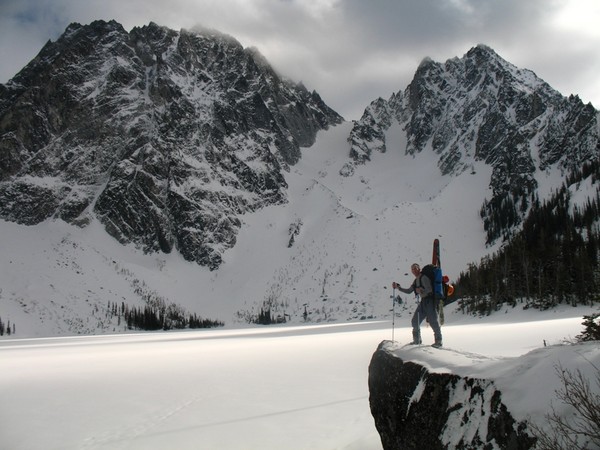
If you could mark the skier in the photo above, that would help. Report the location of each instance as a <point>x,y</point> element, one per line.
<point>427,307</point>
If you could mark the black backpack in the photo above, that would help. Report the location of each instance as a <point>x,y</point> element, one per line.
<point>434,274</point>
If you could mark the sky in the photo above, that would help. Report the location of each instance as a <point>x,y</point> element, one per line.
<point>350,51</point>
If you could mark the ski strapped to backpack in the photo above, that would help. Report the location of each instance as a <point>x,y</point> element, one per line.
<point>433,271</point>
<point>440,284</point>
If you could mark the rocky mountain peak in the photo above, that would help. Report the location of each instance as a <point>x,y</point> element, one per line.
<point>165,136</point>
<point>482,108</point>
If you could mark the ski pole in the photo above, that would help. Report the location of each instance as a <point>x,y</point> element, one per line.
<point>393,311</point>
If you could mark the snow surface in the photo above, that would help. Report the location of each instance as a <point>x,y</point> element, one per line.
<point>292,387</point>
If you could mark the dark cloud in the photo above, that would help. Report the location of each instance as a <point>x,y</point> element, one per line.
<point>350,51</point>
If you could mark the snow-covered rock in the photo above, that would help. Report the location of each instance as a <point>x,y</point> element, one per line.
<point>414,408</point>
<point>470,397</point>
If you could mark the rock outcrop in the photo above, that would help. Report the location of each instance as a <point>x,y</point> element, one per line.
<point>416,409</point>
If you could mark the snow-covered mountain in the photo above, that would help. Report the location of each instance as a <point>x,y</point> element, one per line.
<point>482,108</point>
<point>236,191</point>
<point>166,137</point>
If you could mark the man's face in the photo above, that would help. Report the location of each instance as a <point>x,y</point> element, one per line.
<point>415,270</point>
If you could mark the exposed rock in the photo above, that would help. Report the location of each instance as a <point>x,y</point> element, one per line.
<point>167,137</point>
<point>416,409</point>
<point>482,108</point>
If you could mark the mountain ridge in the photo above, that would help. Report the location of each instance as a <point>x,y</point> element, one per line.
<point>481,107</point>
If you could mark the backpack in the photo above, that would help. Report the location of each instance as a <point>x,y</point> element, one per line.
<point>434,274</point>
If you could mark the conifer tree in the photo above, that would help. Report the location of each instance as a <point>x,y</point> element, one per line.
<point>591,330</point>
<point>553,259</point>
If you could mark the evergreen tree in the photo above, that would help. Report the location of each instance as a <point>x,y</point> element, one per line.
<point>552,259</point>
<point>591,331</point>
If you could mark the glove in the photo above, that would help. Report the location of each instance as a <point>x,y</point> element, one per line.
<point>395,285</point>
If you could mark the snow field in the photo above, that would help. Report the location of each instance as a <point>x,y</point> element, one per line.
<point>293,387</point>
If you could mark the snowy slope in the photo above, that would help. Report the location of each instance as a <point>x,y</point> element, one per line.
<point>355,236</point>
<point>202,389</point>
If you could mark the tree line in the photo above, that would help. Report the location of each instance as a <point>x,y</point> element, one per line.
<point>553,258</point>
<point>7,328</point>
<point>159,317</point>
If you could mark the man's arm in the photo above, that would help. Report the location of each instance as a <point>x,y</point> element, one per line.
<point>406,290</point>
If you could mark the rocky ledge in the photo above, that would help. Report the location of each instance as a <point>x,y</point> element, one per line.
<point>416,409</point>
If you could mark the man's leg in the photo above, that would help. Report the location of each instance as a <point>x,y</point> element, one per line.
<point>432,318</point>
<point>417,318</point>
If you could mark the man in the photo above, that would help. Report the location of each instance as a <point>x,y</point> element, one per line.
<point>427,307</point>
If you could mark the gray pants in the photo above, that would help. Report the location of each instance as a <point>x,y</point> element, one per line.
<point>427,309</point>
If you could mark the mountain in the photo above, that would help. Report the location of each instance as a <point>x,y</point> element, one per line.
<point>165,137</point>
<point>482,108</point>
<point>240,195</point>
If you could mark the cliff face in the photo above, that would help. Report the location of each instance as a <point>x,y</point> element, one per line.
<point>416,409</point>
<point>166,137</point>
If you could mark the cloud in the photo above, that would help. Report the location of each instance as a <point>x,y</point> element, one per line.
<point>25,26</point>
<point>350,51</point>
